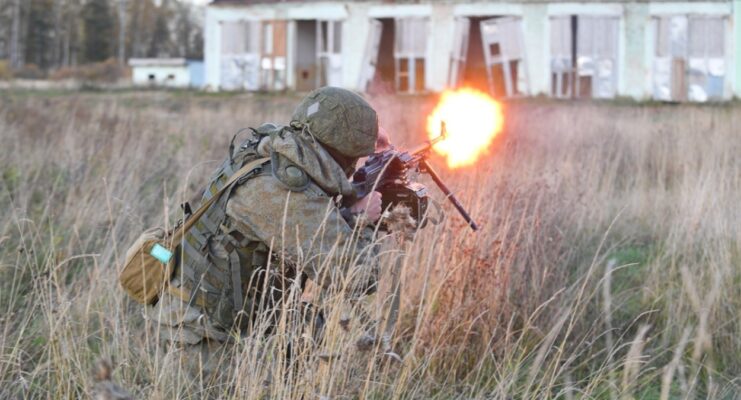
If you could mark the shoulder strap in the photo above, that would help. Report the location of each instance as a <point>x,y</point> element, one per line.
<point>178,234</point>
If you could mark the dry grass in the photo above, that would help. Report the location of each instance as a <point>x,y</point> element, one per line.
<point>607,266</point>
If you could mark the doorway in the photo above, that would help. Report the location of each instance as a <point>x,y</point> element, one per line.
<point>488,54</point>
<point>396,54</point>
<point>318,54</point>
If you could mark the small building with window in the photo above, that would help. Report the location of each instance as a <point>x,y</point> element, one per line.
<point>656,49</point>
<point>167,72</point>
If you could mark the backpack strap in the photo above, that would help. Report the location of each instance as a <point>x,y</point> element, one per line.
<point>178,234</point>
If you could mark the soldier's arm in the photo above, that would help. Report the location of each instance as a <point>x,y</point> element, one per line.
<point>305,228</point>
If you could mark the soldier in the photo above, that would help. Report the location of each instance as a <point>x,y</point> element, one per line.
<point>282,213</point>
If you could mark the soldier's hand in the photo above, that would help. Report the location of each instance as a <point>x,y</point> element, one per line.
<point>370,204</point>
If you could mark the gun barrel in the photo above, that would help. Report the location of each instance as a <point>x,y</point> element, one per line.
<point>425,147</point>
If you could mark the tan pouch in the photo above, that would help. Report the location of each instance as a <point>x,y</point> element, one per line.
<point>143,276</point>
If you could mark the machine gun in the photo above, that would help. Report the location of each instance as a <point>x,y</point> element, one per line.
<point>387,172</point>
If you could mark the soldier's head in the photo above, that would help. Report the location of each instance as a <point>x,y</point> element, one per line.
<point>341,120</point>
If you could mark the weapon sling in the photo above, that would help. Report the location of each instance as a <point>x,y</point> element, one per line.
<point>148,265</point>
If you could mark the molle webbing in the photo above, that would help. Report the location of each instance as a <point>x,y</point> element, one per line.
<point>209,278</point>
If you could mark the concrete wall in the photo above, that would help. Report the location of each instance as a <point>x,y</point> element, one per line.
<point>175,76</point>
<point>197,73</point>
<point>635,37</point>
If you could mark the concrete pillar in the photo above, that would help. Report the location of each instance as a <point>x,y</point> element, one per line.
<point>633,68</point>
<point>736,56</point>
<point>537,47</point>
<point>439,46</point>
<point>212,49</point>
<point>355,33</point>
<point>291,55</point>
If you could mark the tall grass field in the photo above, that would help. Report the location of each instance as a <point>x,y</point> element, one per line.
<point>607,266</point>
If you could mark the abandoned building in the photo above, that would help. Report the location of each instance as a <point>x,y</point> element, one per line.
<point>167,72</point>
<point>663,50</point>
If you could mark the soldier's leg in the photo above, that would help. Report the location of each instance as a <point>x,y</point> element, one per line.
<point>206,364</point>
<point>193,344</point>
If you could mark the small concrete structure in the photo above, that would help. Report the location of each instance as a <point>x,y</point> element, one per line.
<point>647,49</point>
<point>167,72</point>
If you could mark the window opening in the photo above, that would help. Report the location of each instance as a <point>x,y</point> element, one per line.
<point>240,55</point>
<point>318,54</point>
<point>329,56</point>
<point>584,56</point>
<point>689,58</point>
<point>371,55</point>
<point>563,47</point>
<point>410,48</point>
<point>395,58</point>
<point>504,56</point>
<point>273,56</point>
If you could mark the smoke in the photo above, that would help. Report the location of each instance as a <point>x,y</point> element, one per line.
<point>404,129</point>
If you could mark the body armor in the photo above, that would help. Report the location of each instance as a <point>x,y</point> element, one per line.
<point>222,270</point>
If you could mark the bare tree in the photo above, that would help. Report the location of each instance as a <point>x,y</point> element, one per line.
<point>122,31</point>
<point>56,51</point>
<point>15,36</point>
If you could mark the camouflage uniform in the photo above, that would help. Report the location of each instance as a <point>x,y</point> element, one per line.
<point>288,210</point>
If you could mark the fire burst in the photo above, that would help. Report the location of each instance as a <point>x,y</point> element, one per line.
<point>473,120</point>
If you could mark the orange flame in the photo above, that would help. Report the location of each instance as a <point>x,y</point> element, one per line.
<point>472,118</point>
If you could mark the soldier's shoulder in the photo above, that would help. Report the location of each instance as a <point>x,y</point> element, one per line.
<point>267,189</point>
<point>288,174</point>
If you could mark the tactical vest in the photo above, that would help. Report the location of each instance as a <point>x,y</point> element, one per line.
<point>220,269</point>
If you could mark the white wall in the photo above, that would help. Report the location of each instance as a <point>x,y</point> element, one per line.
<point>634,36</point>
<point>175,76</point>
<point>212,35</point>
<point>215,15</point>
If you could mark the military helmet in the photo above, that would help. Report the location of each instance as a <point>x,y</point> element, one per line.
<point>339,119</point>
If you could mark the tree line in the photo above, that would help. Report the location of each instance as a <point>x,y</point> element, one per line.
<point>53,34</point>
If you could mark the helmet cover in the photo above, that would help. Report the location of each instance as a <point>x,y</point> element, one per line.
<point>339,119</point>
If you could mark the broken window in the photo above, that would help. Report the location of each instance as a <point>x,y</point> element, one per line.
<point>459,53</point>
<point>410,49</point>
<point>689,61</point>
<point>596,51</point>
<point>562,60</point>
<point>504,55</point>
<point>670,58</point>
<point>584,53</point>
<point>706,58</point>
<point>395,55</point>
<point>372,49</point>
<point>329,54</point>
<point>318,54</point>
<point>240,55</point>
<point>468,66</point>
<point>273,56</point>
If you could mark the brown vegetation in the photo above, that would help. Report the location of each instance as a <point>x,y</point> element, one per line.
<point>109,71</point>
<point>607,263</point>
